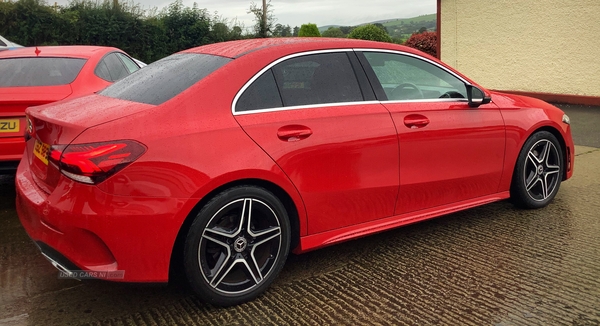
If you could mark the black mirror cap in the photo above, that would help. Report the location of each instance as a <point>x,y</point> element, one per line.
<point>477,96</point>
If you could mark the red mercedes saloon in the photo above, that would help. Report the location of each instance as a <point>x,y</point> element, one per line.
<point>35,76</point>
<point>231,155</point>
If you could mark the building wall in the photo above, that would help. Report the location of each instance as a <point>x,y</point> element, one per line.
<point>545,46</point>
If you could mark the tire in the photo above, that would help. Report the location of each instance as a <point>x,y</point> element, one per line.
<point>538,172</point>
<point>236,245</point>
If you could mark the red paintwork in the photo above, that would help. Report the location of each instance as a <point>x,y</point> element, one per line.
<point>322,167</point>
<point>457,155</point>
<point>350,170</point>
<point>14,100</point>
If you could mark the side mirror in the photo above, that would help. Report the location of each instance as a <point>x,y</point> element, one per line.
<point>476,96</point>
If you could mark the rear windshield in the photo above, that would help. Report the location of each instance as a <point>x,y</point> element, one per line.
<point>38,71</point>
<point>164,79</point>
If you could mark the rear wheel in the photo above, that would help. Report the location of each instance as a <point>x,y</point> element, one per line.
<point>538,172</point>
<point>237,245</point>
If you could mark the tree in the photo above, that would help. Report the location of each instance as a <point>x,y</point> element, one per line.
<point>283,31</point>
<point>333,32</point>
<point>277,30</point>
<point>146,35</point>
<point>262,28</point>
<point>422,30</point>
<point>370,32</point>
<point>286,31</point>
<point>383,28</point>
<point>309,30</point>
<point>426,42</point>
<point>296,31</point>
<point>346,29</point>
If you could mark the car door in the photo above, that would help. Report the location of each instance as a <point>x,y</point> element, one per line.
<point>449,152</point>
<point>310,115</point>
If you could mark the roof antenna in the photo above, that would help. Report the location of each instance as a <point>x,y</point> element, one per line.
<point>37,51</point>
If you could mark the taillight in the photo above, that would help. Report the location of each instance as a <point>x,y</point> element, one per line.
<point>28,128</point>
<point>94,162</point>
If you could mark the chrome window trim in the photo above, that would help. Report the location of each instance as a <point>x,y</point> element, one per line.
<point>309,106</point>
<point>297,107</point>
<point>435,100</point>
<point>269,66</point>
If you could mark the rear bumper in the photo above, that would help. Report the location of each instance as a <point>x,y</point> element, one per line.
<point>11,151</point>
<point>79,227</point>
<point>56,258</point>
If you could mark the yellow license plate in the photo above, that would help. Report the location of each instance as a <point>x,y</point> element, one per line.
<point>9,125</point>
<point>41,151</point>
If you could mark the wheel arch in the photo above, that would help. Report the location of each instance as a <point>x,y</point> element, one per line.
<point>176,261</point>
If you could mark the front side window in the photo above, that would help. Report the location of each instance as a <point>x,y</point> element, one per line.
<point>407,78</point>
<point>39,71</point>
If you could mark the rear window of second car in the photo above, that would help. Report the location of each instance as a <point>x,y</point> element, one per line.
<point>166,78</point>
<point>39,71</point>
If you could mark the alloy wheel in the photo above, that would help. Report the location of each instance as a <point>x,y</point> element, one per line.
<point>541,171</point>
<point>239,246</point>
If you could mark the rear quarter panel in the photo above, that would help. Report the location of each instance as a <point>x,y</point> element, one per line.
<point>194,145</point>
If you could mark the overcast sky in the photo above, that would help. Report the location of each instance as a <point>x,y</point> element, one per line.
<point>298,12</point>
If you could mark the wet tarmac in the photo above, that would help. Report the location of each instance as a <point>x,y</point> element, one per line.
<point>491,265</point>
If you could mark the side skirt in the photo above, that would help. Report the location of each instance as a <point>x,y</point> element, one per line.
<point>319,240</point>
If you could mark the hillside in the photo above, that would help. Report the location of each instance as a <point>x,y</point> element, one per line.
<point>326,27</point>
<point>408,21</point>
<point>400,28</point>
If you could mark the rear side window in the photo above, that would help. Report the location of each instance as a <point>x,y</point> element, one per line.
<point>131,66</point>
<point>166,78</point>
<point>111,68</point>
<point>261,94</point>
<point>39,71</point>
<point>317,79</point>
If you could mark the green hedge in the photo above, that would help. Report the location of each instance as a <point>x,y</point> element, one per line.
<point>148,37</point>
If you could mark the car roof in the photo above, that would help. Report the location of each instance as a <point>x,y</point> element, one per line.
<point>75,51</point>
<point>236,49</point>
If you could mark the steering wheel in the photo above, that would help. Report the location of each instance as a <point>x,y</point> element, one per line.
<point>400,92</point>
<point>452,94</point>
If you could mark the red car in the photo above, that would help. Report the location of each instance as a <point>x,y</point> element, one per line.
<point>231,155</point>
<point>35,76</point>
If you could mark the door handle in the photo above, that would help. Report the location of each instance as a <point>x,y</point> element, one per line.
<point>414,121</point>
<point>292,133</point>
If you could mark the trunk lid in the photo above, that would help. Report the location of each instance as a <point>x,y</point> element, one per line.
<point>60,123</point>
<point>14,101</point>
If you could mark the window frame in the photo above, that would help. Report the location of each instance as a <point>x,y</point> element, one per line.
<point>367,80</point>
<point>361,78</point>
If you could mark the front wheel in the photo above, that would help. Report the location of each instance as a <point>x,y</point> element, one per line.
<point>538,172</point>
<point>237,245</point>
